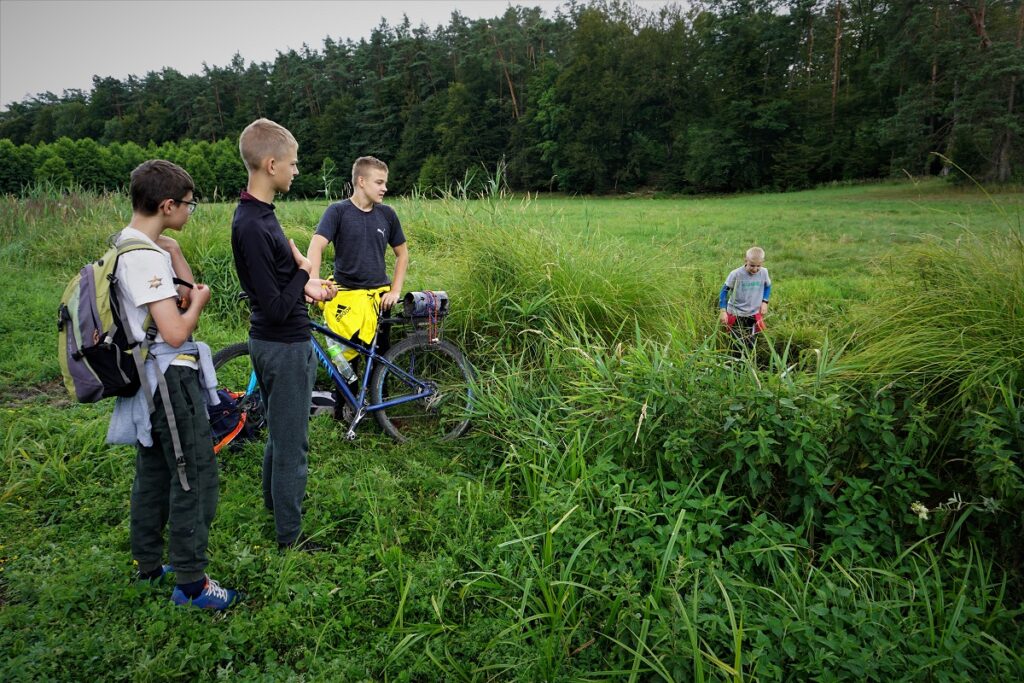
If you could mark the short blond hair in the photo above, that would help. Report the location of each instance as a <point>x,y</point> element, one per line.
<point>262,139</point>
<point>363,164</point>
<point>755,254</point>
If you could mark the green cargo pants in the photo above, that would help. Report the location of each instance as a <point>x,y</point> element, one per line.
<point>157,497</point>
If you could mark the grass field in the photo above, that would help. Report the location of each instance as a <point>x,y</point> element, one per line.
<point>632,504</point>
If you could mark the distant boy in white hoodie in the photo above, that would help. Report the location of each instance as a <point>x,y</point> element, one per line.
<point>743,301</point>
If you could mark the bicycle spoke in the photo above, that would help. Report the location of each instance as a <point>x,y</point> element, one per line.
<point>444,414</point>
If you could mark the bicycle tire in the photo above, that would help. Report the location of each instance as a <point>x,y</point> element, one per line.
<point>443,416</point>
<point>234,368</point>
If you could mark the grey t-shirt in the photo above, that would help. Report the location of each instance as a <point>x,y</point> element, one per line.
<point>746,291</point>
<point>359,239</point>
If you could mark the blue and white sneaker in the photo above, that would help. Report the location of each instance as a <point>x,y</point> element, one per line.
<point>213,597</point>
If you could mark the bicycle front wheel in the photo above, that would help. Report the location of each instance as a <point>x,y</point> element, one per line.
<point>447,376</point>
<point>234,373</point>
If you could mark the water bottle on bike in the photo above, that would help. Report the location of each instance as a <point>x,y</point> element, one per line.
<point>336,353</point>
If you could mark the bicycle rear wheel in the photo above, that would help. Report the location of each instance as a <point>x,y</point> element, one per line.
<point>445,413</point>
<point>234,370</point>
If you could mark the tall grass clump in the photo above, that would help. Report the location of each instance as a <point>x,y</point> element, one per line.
<point>952,319</point>
<point>49,227</point>
<point>518,280</point>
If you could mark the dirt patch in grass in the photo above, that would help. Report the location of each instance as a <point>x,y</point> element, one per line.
<point>53,393</point>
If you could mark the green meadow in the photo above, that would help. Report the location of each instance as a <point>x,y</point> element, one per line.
<point>634,502</point>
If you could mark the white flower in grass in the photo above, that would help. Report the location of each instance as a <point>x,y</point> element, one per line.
<point>919,509</point>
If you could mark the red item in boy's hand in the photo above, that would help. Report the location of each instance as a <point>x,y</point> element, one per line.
<point>730,320</point>
<point>759,322</point>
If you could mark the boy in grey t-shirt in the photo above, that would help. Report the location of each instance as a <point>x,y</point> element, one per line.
<point>744,298</point>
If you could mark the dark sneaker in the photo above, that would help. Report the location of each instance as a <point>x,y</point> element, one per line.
<point>303,543</point>
<point>154,580</point>
<point>213,597</point>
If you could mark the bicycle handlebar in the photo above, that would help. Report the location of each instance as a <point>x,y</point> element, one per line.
<point>382,320</point>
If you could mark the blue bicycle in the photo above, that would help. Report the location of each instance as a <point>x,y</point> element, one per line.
<point>420,388</point>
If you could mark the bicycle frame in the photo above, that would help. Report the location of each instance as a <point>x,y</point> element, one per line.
<point>372,357</point>
<point>420,389</point>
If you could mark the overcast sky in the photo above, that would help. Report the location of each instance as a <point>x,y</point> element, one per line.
<point>48,45</point>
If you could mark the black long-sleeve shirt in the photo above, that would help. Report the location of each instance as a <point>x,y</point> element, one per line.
<point>268,274</point>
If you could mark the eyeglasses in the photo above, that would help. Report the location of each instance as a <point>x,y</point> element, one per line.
<point>192,204</point>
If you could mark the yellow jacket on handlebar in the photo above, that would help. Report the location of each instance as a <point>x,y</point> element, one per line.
<point>353,314</point>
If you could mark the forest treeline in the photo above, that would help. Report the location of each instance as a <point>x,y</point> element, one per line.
<point>712,96</point>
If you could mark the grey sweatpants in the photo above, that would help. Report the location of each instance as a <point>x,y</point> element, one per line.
<point>285,372</point>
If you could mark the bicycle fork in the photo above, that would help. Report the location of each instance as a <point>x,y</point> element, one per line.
<point>360,413</point>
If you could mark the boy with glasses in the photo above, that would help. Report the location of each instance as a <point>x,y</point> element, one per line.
<point>190,203</point>
<point>176,480</point>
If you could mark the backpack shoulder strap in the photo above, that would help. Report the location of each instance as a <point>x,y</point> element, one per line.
<point>134,245</point>
<point>139,347</point>
<point>127,246</point>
